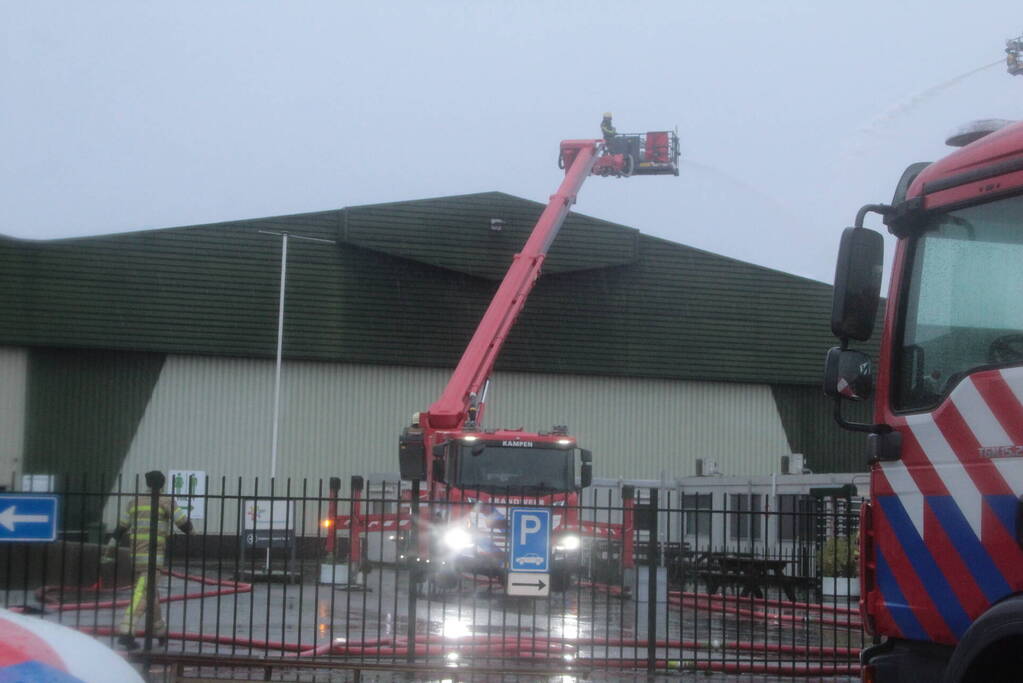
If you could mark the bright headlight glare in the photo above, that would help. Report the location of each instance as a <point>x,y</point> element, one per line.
<point>457,538</point>
<point>570,542</point>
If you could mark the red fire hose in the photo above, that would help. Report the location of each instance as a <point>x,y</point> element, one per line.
<point>557,650</point>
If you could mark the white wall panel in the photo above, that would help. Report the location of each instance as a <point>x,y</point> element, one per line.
<point>337,420</point>
<point>641,429</point>
<point>13,379</point>
<point>214,414</point>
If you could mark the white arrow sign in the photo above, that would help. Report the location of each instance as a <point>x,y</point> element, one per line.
<point>529,584</point>
<point>8,518</point>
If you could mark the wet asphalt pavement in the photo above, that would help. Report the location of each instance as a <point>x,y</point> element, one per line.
<point>472,631</point>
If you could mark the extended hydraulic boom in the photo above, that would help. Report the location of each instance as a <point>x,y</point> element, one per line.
<point>446,446</point>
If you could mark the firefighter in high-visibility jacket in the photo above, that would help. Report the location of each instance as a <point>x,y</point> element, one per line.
<point>607,129</point>
<point>136,523</point>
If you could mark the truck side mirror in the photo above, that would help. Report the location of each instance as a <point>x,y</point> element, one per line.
<point>857,284</point>
<point>412,455</point>
<point>848,374</point>
<point>586,469</point>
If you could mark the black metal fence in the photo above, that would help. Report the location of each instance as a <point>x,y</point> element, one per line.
<point>297,579</point>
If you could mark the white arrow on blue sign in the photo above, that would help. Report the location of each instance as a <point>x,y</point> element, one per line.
<point>531,540</point>
<point>28,517</point>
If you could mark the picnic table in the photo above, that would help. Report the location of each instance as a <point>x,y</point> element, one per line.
<point>749,572</point>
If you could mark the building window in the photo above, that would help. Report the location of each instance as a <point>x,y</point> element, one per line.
<point>697,510</point>
<point>796,519</point>
<point>745,519</point>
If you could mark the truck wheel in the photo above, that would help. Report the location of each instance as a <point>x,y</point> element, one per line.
<point>992,648</point>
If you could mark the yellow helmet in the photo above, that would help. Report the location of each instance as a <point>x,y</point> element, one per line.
<point>607,115</point>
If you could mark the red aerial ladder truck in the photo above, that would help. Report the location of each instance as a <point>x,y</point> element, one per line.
<point>941,540</point>
<point>474,474</point>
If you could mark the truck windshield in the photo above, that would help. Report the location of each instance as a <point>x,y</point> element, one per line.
<point>963,310</point>
<point>531,470</point>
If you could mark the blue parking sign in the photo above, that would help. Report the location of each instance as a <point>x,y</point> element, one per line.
<point>531,540</point>
<point>28,517</point>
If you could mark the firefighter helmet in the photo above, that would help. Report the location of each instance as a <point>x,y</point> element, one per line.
<point>155,479</point>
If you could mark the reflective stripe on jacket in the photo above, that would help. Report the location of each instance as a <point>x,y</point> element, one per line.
<point>136,519</point>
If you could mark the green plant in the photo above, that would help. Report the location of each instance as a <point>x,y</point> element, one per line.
<point>840,556</point>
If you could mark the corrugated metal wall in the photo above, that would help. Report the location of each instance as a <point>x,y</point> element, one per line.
<point>641,428</point>
<point>13,378</point>
<point>810,424</point>
<point>83,408</point>
<point>611,302</point>
<point>215,414</point>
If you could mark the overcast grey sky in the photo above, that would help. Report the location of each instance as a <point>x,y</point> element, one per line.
<point>122,116</point>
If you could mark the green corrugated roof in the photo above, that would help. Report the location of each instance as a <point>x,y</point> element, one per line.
<point>407,283</point>
<point>455,233</point>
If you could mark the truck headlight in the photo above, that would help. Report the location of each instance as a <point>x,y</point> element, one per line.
<point>568,542</point>
<point>457,538</point>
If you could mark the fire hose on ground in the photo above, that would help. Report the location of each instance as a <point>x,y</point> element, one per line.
<point>557,650</point>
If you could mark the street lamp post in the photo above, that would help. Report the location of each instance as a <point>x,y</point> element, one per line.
<point>277,368</point>
<point>275,438</point>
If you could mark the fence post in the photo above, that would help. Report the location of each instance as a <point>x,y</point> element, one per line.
<point>653,557</point>
<point>628,526</point>
<point>413,572</point>
<point>154,520</point>
<point>331,540</point>
<point>355,533</point>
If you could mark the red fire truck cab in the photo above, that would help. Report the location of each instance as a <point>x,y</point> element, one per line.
<point>940,541</point>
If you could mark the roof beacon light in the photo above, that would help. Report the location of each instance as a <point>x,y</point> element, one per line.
<point>975,130</point>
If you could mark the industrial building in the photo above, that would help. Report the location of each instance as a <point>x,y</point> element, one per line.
<point>156,349</point>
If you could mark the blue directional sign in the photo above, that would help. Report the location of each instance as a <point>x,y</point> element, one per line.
<point>531,540</point>
<point>28,517</point>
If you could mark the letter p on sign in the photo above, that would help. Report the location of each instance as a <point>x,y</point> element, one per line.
<point>531,524</point>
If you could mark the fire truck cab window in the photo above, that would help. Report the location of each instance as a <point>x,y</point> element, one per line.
<point>962,311</point>
<point>494,468</point>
